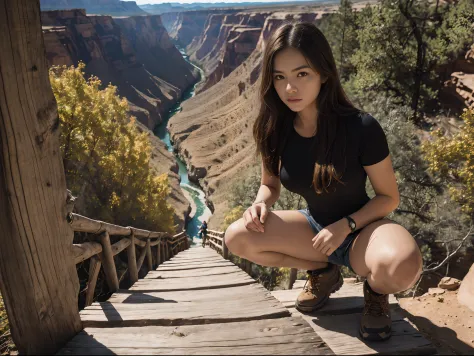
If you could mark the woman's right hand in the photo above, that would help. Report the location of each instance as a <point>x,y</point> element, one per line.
<point>255,216</point>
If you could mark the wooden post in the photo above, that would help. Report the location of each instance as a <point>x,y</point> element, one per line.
<point>132,260</point>
<point>149,259</point>
<point>94,269</point>
<point>38,276</point>
<point>107,258</point>
<point>225,251</point>
<point>158,253</point>
<point>167,251</point>
<point>293,273</point>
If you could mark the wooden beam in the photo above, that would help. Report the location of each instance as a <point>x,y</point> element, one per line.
<point>86,250</point>
<point>158,253</point>
<point>38,281</point>
<point>94,269</point>
<point>132,260</point>
<point>141,258</point>
<point>120,246</point>
<point>107,258</point>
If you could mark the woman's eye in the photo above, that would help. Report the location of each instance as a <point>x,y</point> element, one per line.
<point>304,74</point>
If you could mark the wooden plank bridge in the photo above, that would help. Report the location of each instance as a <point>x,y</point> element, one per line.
<point>197,302</point>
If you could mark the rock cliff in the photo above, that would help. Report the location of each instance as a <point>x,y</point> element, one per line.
<point>459,90</point>
<point>112,49</point>
<point>99,7</point>
<point>214,130</point>
<point>184,26</point>
<point>128,53</point>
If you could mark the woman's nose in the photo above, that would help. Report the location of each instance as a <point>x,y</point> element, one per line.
<point>290,88</point>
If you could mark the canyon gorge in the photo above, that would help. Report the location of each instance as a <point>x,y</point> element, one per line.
<point>213,130</point>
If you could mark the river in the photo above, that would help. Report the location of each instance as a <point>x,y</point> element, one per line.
<point>192,191</point>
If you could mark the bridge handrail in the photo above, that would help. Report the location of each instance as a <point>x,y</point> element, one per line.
<point>101,251</point>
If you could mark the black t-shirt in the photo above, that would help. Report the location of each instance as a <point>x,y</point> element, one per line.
<point>366,145</point>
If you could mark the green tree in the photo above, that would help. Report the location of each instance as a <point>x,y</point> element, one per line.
<point>340,29</point>
<point>106,159</point>
<point>402,42</point>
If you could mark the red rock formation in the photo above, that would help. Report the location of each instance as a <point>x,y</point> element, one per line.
<point>102,45</point>
<point>153,48</point>
<point>459,90</point>
<point>187,24</point>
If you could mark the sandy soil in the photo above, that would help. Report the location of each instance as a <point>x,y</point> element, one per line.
<point>448,324</point>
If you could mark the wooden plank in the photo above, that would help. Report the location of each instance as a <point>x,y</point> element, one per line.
<point>182,267</point>
<point>133,297</point>
<point>190,313</point>
<point>283,336</point>
<point>159,274</point>
<point>349,299</point>
<point>341,334</point>
<point>210,282</point>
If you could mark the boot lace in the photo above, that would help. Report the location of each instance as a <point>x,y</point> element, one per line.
<point>376,305</point>
<point>315,283</point>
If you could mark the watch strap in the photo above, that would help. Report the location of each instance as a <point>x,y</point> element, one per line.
<point>352,223</point>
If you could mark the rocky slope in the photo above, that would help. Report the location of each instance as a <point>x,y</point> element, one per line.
<point>100,7</point>
<point>184,26</point>
<point>214,130</point>
<point>112,50</point>
<point>136,55</point>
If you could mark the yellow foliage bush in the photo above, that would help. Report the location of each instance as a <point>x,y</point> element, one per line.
<point>452,159</point>
<point>235,214</point>
<point>106,159</point>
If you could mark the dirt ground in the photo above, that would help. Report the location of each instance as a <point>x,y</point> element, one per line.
<point>448,324</point>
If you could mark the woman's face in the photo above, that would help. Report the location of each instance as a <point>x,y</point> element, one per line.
<point>293,78</point>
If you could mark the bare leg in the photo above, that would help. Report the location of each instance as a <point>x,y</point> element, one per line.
<point>387,254</point>
<point>286,242</point>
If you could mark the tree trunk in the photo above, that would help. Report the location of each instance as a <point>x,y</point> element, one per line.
<point>38,278</point>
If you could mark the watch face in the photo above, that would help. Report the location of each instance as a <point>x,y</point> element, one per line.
<point>352,224</point>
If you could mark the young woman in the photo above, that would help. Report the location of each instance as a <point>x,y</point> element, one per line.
<point>317,144</point>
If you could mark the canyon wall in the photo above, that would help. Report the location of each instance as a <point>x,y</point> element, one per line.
<point>213,132</point>
<point>137,56</point>
<point>133,53</point>
<point>99,7</point>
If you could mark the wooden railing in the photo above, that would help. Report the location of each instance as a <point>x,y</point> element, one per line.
<point>159,246</point>
<point>215,240</point>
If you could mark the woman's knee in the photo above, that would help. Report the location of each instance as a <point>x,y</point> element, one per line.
<point>400,269</point>
<point>236,238</point>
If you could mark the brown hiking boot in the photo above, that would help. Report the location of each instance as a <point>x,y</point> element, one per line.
<point>318,287</point>
<point>376,323</point>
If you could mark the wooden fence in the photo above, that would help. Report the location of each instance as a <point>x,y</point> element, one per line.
<point>215,240</point>
<point>155,247</point>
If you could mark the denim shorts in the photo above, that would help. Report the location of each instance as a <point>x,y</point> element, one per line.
<point>341,255</point>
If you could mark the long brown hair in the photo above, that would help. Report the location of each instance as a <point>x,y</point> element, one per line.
<point>274,119</point>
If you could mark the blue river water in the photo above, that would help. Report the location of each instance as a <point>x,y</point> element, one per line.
<point>194,190</point>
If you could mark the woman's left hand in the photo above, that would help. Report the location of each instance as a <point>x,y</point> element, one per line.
<point>331,237</point>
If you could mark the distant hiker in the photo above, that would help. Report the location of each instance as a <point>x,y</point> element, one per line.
<point>203,232</point>
<point>314,141</point>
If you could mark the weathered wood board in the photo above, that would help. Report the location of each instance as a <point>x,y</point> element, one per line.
<point>284,336</point>
<point>338,323</point>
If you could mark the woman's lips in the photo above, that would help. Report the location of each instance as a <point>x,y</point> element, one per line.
<point>294,100</point>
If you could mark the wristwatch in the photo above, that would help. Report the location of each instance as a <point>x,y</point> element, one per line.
<point>352,223</point>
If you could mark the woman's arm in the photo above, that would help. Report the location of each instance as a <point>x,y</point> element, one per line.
<point>270,188</point>
<point>387,198</point>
